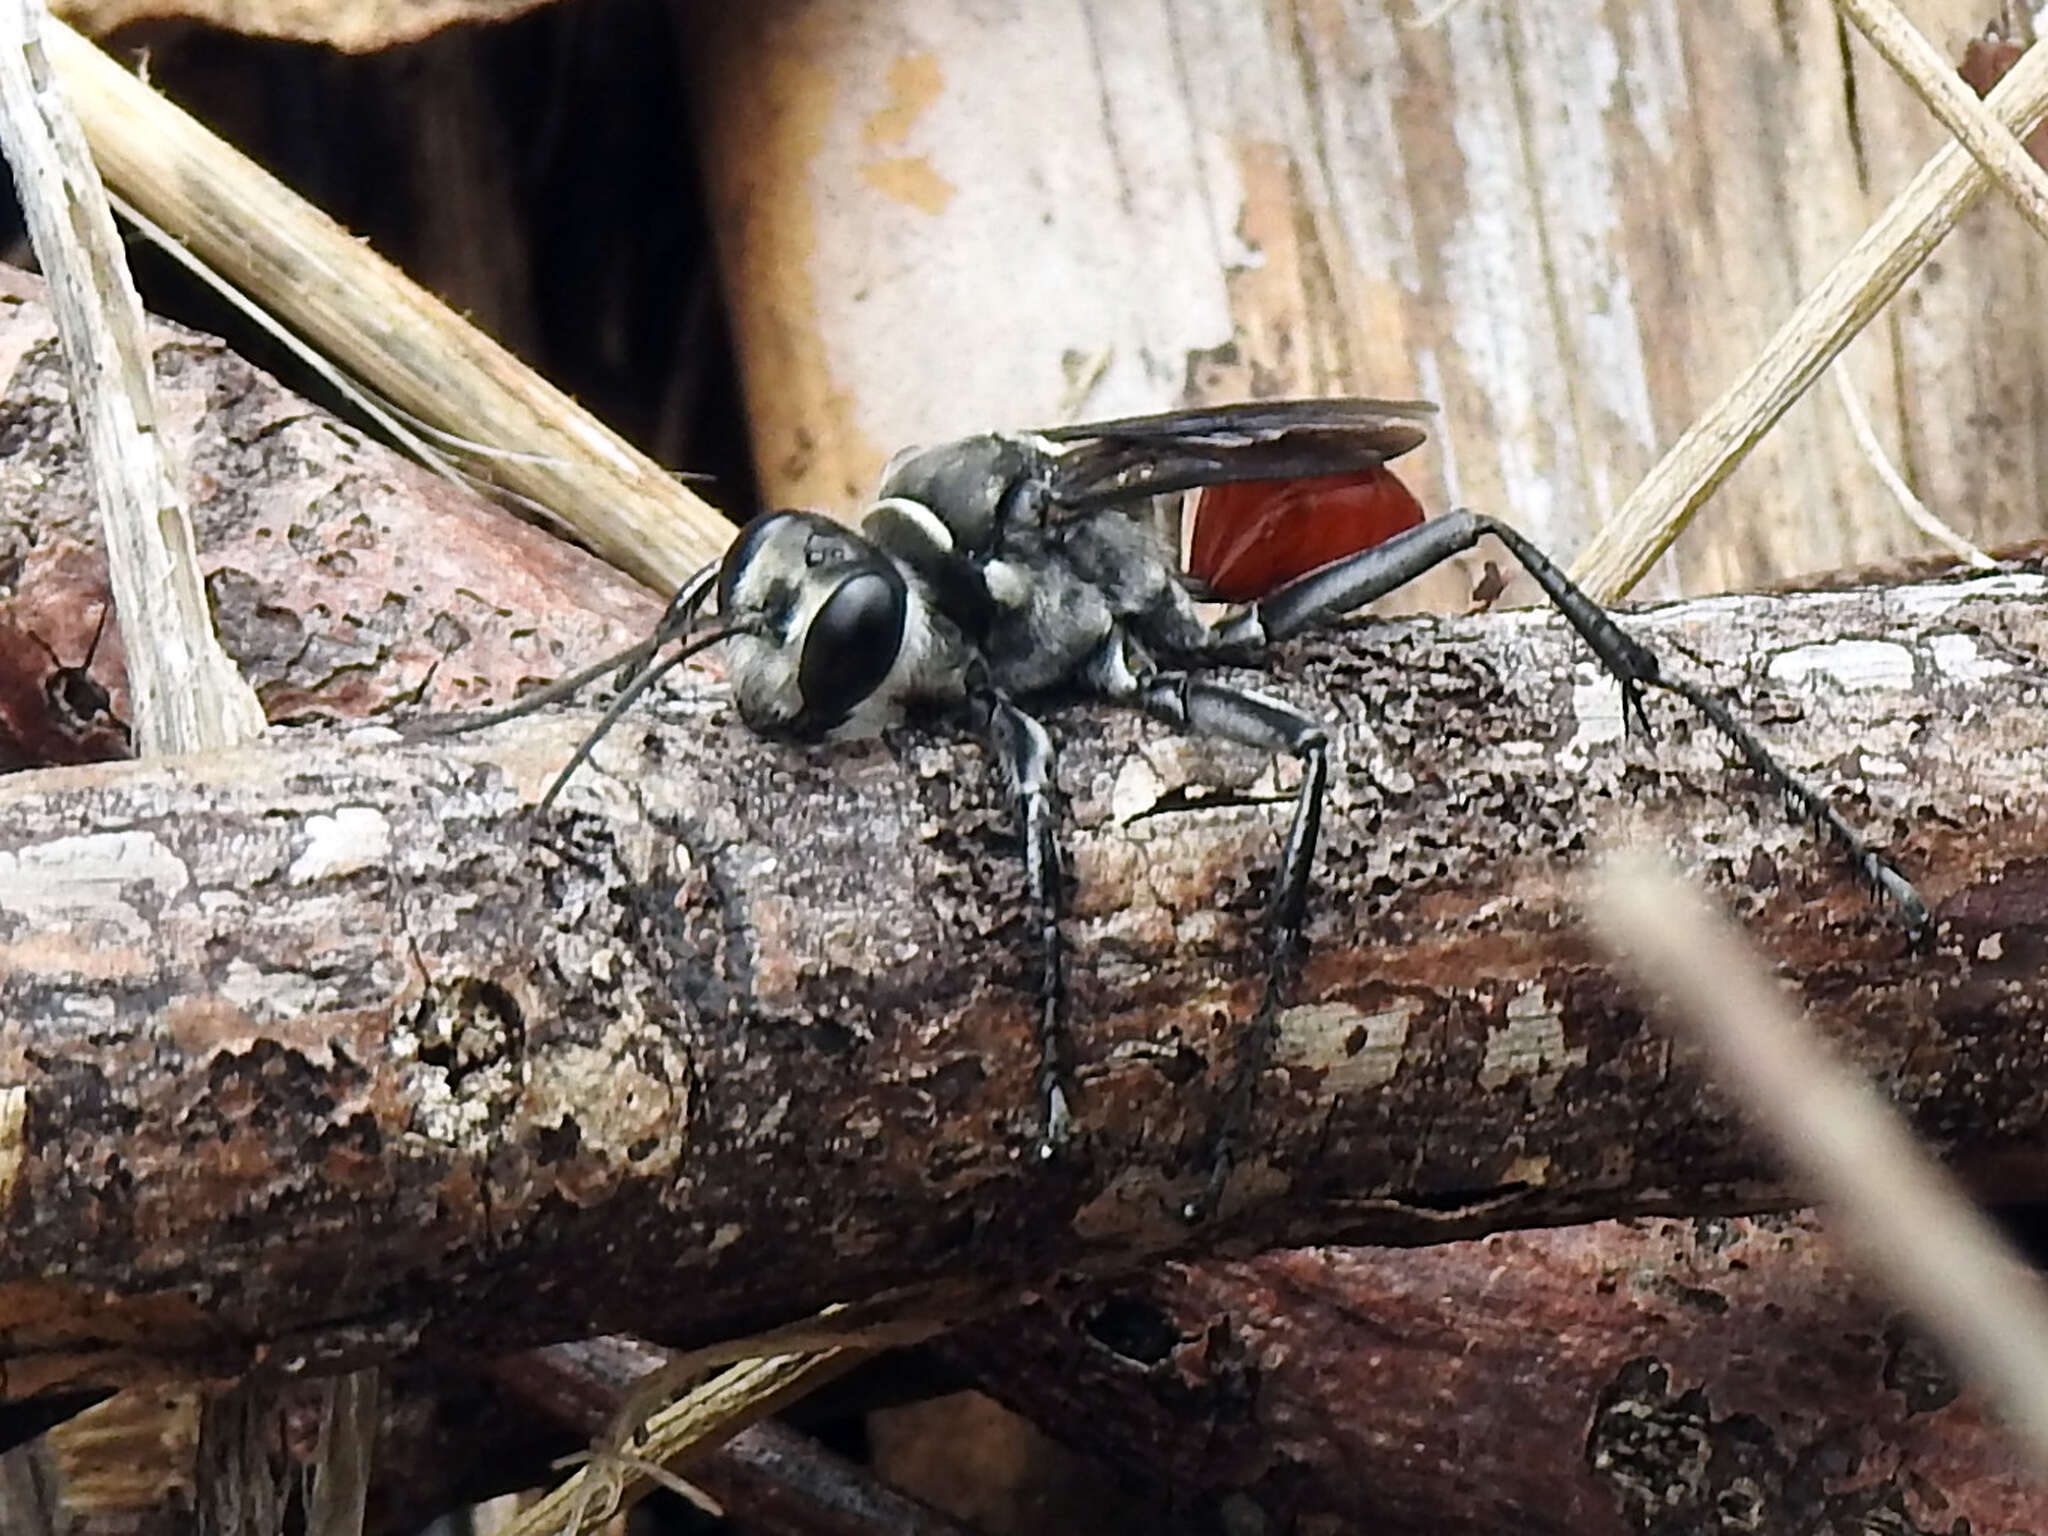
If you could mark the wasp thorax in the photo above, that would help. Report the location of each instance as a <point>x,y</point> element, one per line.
<point>970,485</point>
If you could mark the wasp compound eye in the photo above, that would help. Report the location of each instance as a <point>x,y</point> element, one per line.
<point>851,645</point>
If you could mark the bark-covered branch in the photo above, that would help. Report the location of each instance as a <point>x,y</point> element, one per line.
<point>326,1050</point>
<point>345,581</point>
<point>1663,1375</point>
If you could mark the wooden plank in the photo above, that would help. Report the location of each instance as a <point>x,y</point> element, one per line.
<point>1571,221</point>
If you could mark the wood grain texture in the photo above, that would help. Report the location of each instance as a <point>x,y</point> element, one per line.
<point>1571,221</point>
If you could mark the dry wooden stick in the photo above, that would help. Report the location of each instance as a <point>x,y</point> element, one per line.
<point>723,1406</point>
<point>384,328</point>
<point>1907,1217</point>
<point>186,694</point>
<point>1935,81</point>
<point>1824,322</point>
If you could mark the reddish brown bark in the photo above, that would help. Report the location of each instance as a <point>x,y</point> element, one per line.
<point>1669,1376</point>
<point>346,581</point>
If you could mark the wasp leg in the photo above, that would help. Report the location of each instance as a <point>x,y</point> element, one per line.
<point>1328,594</point>
<point>1025,753</point>
<point>1204,708</point>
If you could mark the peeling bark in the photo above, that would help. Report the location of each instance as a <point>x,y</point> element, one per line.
<point>1667,1376</point>
<point>325,1051</point>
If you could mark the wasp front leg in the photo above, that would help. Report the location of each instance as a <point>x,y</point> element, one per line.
<point>1024,752</point>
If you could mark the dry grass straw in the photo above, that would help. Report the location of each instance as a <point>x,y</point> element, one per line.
<point>618,1475</point>
<point>1824,322</point>
<point>381,327</point>
<point>650,1436</point>
<point>1900,1211</point>
<point>185,694</point>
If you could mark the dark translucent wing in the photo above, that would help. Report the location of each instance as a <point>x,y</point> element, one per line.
<point>1141,456</point>
<point>1258,418</point>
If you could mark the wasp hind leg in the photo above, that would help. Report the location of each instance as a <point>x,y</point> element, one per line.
<point>1326,595</point>
<point>1203,708</point>
<point>1024,752</point>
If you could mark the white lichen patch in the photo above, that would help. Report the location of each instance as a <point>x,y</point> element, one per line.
<point>1529,1045</point>
<point>1597,713</point>
<point>1962,660</point>
<point>1137,790</point>
<point>1855,665</point>
<point>354,837</point>
<point>265,994</point>
<point>90,878</point>
<point>1355,1050</point>
<point>1933,601</point>
<point>441,1116</point>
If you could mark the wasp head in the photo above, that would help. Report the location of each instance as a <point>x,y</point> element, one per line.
<point>824,615</point>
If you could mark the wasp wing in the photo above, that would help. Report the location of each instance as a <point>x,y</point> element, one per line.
<point>1135,457</point>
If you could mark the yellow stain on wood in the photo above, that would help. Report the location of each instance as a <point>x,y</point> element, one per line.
<point>1270,353</point>
<point>910,179</point>
<point>915,81</point>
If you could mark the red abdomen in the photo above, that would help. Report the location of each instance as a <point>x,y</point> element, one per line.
<point>1253,537</point>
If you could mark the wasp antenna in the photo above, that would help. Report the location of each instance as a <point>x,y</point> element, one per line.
<point>683,608</point>
<point>526,704</point>
<point>98,630</point>
<point>675,621</point>
<point>646,678</point>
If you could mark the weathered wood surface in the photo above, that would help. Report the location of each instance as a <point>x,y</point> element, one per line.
<point>1572,222</point>
<point>1661,1375</point>
<point>319,1052</point>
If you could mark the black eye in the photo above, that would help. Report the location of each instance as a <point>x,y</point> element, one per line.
<point>851,645</point>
